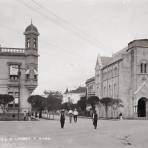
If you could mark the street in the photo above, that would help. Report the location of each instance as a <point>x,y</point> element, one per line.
<point>48,134</point>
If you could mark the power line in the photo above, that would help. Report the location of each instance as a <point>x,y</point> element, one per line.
<point>47,42</point>
<point>67,22</point>
<point>61,22</point>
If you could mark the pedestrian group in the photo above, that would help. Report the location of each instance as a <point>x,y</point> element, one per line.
<point>74,115</point>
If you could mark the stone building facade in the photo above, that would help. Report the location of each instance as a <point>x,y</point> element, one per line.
<point>90,87</point>
<point>18,69</point>
<point>73,96</point>
<point>125,76</point>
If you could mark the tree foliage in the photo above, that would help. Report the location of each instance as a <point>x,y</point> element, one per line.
<point>53,100</point>
<point>82,103</point>
<point>37,102</point>
<point>93,100</point>
<point>107,101</point>
<point>118,103</point>
<point>5,99</point>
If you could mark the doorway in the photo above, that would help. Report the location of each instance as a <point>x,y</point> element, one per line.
<point>142,107</point>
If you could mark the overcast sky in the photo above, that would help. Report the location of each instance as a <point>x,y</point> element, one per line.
<point>72,34</point>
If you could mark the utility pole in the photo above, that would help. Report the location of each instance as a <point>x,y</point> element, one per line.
<point>19,90</point>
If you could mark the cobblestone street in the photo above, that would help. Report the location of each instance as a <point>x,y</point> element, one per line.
<point>47,133</point>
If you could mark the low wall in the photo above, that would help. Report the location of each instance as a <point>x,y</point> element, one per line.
<point>11,116</point>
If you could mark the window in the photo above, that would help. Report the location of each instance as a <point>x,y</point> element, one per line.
<point>16,97</point>
<point>14,103</point>
<point>34,43</point>
<point>104,90</point>
<point>27,76</point>
<point>116,71</point>
<point>143,67</point>
<point>115,90</point>
<point>109,91</point>
<point>10,93</point>
<point>13,72</point>
<point>35,74</point>
<point>28,42</point>
<point>27,73</point>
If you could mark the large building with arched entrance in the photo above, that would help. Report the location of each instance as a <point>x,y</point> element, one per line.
<point>125,76</point>
<point>18,69</point>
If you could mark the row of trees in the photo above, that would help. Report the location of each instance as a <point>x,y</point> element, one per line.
<point>94,100</point>
<point>51,101</point>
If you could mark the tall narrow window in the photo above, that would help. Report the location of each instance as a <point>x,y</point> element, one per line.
<point>28,42</point>
<point>34,43</point>
<point>115,91</point>
<point>141,67</point>
<point>109,92</point>
<point>35,74</point>
<point>104,90</point>
<point>145,66</point>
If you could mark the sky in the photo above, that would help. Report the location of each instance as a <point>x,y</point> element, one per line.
<point>72,34</point>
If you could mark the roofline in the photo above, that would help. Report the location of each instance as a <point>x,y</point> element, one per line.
<point>111,63</point>
<point>90,80</point>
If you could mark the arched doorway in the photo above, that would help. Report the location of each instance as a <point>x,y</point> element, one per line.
<point>142,107</point>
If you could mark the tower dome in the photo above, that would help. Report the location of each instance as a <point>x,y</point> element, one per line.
<point>31,29</point>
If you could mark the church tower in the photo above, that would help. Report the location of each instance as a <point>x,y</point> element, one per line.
<point>31,49</point>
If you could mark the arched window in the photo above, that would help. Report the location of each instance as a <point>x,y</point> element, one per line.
<point>28,43</point>
<point>34,43</point>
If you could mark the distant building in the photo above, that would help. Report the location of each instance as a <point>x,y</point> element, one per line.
<point>73,96</point>
<point>90,87</point>
<point>19,69</point>
<point>125,76</point>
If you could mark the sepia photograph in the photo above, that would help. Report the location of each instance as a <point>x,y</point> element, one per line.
<point>73,74</point>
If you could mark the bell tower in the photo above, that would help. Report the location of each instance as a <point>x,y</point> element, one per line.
<point>31,50</point>
<point>31,39</point>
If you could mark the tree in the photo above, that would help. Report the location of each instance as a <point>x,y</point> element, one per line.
<point>107,101</point>
<point>65,105</point>
<point>93,100</point>
<point>54,100</point>
<point>38,103</point>
<point>117,103</point>
<point>82,103</point>
<point>5,99</point>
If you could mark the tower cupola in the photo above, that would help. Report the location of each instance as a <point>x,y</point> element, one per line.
<point>31,37</point>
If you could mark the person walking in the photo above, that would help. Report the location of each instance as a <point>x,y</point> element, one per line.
<point>120,116</point>
<point>95,119</point>
<point>62,119</point>
<point>75,113</point>
<point>70,115</point>
<point>25,115</point>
